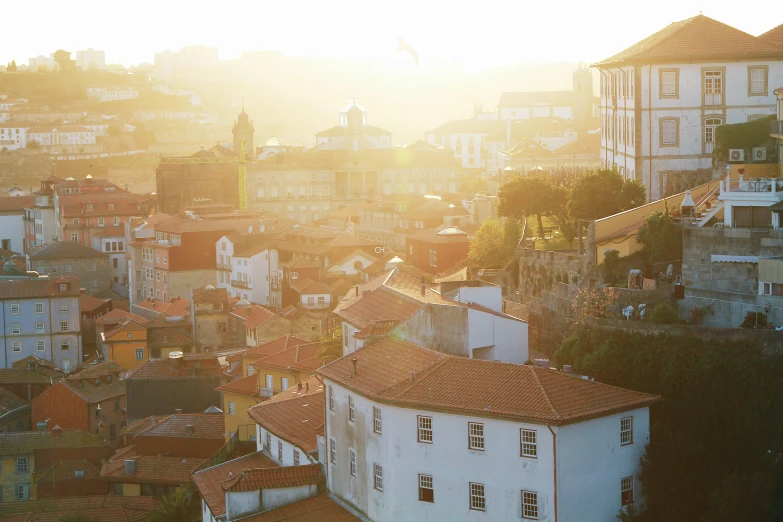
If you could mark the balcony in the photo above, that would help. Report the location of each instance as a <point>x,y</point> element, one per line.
<point>265,392</point>
<point>240,284</point>
<point>223,266</point>
<point>776,129</point>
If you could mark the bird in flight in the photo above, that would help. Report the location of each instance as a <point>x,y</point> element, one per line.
<point>408,49</point>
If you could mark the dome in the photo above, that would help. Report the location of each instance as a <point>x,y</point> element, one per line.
<point>272,142</point>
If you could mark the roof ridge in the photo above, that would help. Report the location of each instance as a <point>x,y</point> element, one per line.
<point>420,375</point>
<point>544,393</point>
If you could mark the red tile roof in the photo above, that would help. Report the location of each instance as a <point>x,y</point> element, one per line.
<point>45,287</point>
<point>66,470</point>
<point>257,315</point>
<point>381,304</point>
<point>308,286</point>
<point>108,508</point>
<point>244,386</point>
<point>294,420</point>
<point>773,37</point>
<point>175,307</point>
<point>88,303</point>
<point>300,263</point>
<point>275,346</point>
<point>21,376</point>
<point>210,295</point>
<point>697,38</point>
<point>300,357</point>
<point>114,316</point>
<point>25,442</point>
<point>477,387</point>
<point>165,368</point>
<point>316,509</point>
<point>12,204</point>
<point>11,404</point>
<point>172,471</point>
<point>92,393</point>
<point>92,371</point>
<point>272,478</point>
<point>209,480</point>
<point>189,425</point>
<point>310,386</point>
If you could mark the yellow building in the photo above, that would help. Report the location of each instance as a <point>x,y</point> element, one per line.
<point>238,397</point>
<point>285,369</point>
<point>266,349</point>
<point>126,343</point>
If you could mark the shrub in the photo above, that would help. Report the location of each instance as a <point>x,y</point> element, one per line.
<point>664,313</point>
<point>754,320</point>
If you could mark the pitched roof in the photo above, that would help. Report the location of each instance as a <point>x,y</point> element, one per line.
<point>190,425</point>
<point>16,203</point>
<point>22,376</point>
<point>21,443</point>
<point>210,294</point>
<point>310,386</point>
<point>308,286</point>
<point>38,365</point>
<point>271,478</point>
<point>166,337</point>
<point>43,287</point>
<point>320,508</point>
<point>88,303</point>
<point>164,369</point>
<point>477,387</point>
<point>94,390</point>
<point>174,307</point>
<point>300,357</point>
<point>97,370</point>
<point>144,424</point>
<point>590,143</point>
<point>300,263</point>
<point>527,148</point>
<point>381,304</point>
<point>295,420</point>
<point>105,508</point>
<point>209,480</point>
<point>66,470</point>
<point>274,346</point>
<point>10,403</point>
<point>258,315</point>
<point>773,37</point>
<point>447,235</point>
<point>65,250</point>
<point>115,315</point>
<point>244,386</point>
<point>125,324</point>
<point>172,471</point>
<point>692,39</point>
<point>358,291</point>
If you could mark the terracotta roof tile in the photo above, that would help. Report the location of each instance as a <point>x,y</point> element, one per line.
<point>115,508</point>
<point>244,386</point>
<point>381,304</point>
<point>114,316</point>
<point>295,420</point>
<point>692,39</point>
<point>477,387</point>
<point>308,286</point>
<point>92,393</point>
<point>144,424</point>
<point>300,357</point>
<point>773,37</point>
<point>258,315</point>
<point>10,403</point>
<point>167,337</point>
<point>300,263</point>
<point>66,470</point>
<point>92,371</point>
<point>164,369</point>
<point>272,478</point>
<point>356,293</point>
<point>21,376</point>
<point>16,203</point>
<point>45,287</point>
<point>316,509</point>
<point>21,443</point>
<point>210,295</point>
<point>128,452</point>
<point>275,345</point>
<point>310,386</point>
<point>174,307</point>
<point>88,303</point>
<point>209,480</point>
<point>173,471</point>
<point>204,426</point>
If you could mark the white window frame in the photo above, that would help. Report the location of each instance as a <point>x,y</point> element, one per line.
<point>530,505</point>
<point>139,354</point>
<point>478,499</point>
<point>39,327</point>
<point>756,87</point>
<point>352,462</point>
<point>333,452</point>
<point>424,429</point>
<point>377,420</point>
<point>669,135</point>
<point>378,476</point>
<point>669,83</point>
<point>528,443</point>
<point>40,345</point>
<point>63,326</point>
<point>280,450</point>
<point>296,457</point>
<point>15,309</point>
<point>22,465</point>
<point>426,482</point>
<point>626,431</point>
<point>16,346</point>
<point>16,328</point>
<point>231,408</point>
<point>39,308</point>
<point>351,409</point>
<point>626,485</point>
<point>476,436</point>
<point>331,398</point>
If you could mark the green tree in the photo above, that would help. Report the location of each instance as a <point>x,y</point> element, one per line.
<point>32,144</point>
<point>512,232</point>
<point>116,129</point>
<point>530,196</point>
<point>661,238</point>
<point>179,506</point>
<point>474,184</point>
<point>603,193</point>
<point>488,248</point>
<point>664,313</point>
<point>331,349</point>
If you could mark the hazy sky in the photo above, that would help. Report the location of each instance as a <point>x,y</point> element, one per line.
<point>477,35</point>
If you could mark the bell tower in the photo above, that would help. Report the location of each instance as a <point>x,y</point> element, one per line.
<point>243,129</point>
<point>583,93</point>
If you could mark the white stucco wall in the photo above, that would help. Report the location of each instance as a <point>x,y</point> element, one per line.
<point>242,503</point>
<point>275,498</point>
<point>12,229</point>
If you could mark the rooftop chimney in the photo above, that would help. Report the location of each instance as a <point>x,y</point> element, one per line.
<point>423,290</point>
<point>355,362</point>
<point>56,430</point>
<point>357,290</point>
<point>307,386</point>
<point>178,411</point>
<point>189,429</point>
<point>411,376</point>
<point>130,467</point>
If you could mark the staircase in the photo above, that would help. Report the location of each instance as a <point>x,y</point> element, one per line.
<point>707,207</point>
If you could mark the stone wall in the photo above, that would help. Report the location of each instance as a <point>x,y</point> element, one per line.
<point>540,270</point>
<point>729,309</point>
<point>93,273</point>
<point>699,244</point>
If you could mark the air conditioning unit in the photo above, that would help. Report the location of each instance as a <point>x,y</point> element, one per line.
<point>760,154</point>
<point>736,155</point>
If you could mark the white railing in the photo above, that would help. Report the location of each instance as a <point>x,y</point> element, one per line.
<point>772,185</point>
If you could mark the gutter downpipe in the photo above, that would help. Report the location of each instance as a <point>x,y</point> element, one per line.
<point>650,124</point>
<point>554,453</point>
<point>605,136</point>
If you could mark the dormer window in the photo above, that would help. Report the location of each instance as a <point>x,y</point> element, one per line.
<point>89,208</point>
<point>111,206</point>
<point>63,287</point>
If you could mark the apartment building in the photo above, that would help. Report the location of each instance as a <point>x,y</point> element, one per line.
<point>13,134</point>
<point>209,317</point>
<point>91,59</point>
<point>108,94</point>
<point>413,434</point>
<point>39,217</point>
<point>663,98</point>
<point>63,138</point>
<point>248,269</point>
<point>40,316</point>
<point>72,259</point>
<point>13,221</point>
<point>111,242</point>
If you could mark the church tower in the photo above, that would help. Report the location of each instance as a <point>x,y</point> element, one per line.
<point>583,93</point>
<point>243,129</point>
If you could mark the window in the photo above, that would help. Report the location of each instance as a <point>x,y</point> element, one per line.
<point>377,421</point>
<point>139,354</point>
<point>333,451</point>
<point>280,451</point>
<point>296,457</point>
<point>63,326</point>
<point>39,308</point>
<point>352,462</point>
<point>476,436</point>
<point>626,490</point>
<point>284,383</point>
<point>426,491</point>
<point>65,344</point>
<point>16,328</point>
<point>425,429</point>
<point>231,409</point>
<point>40,346</point>
<point>100,222</point>
<point>331,398</point>
<point>669,132</point>
<point>130,335</point>
<point>529,504</point>
<point>22,491</point>
<point>17,346</point>
<point>378,473</point>
<point>351,409</point>
<point>527,443</point>
<point>669,83</point>
<point>15,309</point>
<point>626,430</point>
<point>39,327</point>
<point>710,124</point>
<point>111,206</point>
<point>22,465</point>
<point>757,81</point>
<point>75,237</point>
<point>433,258</point>
<point>268,443</point>
<point>267,379</point>
<point>713,87</point>
<point>477,500</point>
<point>64,306</point>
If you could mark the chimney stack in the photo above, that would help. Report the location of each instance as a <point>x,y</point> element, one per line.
<point>189,429</point>
<point>299,385</point>
<point>411,376</point>
<point>356,288</point>
<point>178,411</point>
<point>307,386</point>
<point>355,362</point>
<point>423,290</point>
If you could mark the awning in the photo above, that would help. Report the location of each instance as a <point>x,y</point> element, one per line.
<point>734,259</point>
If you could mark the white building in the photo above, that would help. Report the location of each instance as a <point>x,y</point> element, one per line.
<point>249,271</point>
<point>465,138</point>
<point>107,94</point>
<point>462,317</point>
<point>90,59</point>
<point>40,216</point>
<point>12,222</point>
<point>413,434</point>
<point>42,61</point>
<point>13,135</point>
<point>663,98</point>
<point>112,243</point>
<point>66,137</point>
